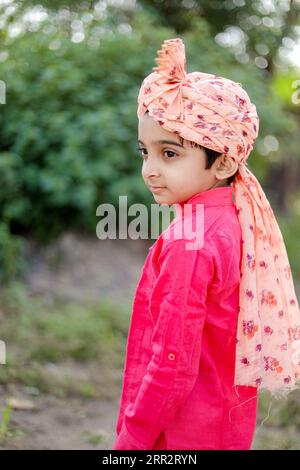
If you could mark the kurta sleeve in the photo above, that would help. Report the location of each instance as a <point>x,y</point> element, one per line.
<point>178,309</point>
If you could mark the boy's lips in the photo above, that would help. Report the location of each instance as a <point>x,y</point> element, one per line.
<point>155,189</point>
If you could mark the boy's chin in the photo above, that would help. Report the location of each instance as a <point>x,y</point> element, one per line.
<point>162,201</point>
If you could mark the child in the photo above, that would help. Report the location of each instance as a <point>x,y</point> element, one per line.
<point>212,325</point>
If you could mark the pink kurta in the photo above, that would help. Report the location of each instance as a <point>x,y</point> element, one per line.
<point>178,385</point>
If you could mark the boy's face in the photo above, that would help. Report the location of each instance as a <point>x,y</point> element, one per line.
<point>179,171</point>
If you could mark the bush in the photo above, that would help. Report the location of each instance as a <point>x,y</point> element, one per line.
<point>11,260</point>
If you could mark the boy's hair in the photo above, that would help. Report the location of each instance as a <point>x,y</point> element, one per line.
<point>211,155</point>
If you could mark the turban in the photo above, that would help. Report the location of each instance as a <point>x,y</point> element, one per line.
<point>218,114</point>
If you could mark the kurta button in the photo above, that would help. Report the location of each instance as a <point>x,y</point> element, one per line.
<point>171,356</point>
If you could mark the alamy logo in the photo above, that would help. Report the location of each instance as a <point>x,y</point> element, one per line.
<point>187,224</point>
<point>2,92</point>
<point>296,95</point>
<point>296,353</point>
<point>2,352</point>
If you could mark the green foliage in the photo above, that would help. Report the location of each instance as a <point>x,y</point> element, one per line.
<point>46,334</point>
<point>285,85</point>
<point>59,330</point>
<point>11,260</point>
<point>74,139</point>
<point>4,424</point>
<point>290,228</point>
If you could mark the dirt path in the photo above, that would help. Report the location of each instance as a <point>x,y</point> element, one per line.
<point>80,267</point>
<point>57,423</point>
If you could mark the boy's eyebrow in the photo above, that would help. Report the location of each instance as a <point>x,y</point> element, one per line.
<point>172,142</point>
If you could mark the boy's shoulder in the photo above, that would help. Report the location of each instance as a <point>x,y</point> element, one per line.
<point>219,232</point>
<point>223,239</point>
<point>218,248</point>
<point>224,230</point>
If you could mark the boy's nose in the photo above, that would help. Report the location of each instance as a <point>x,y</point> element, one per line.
<point>151,168</point>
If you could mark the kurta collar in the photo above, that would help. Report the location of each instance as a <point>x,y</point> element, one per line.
<point>222,196</point>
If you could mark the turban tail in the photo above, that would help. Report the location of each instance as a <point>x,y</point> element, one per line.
<point>217,113</point>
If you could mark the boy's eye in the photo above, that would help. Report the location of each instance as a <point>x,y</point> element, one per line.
<point>141,149</point>
<point>170,151</point>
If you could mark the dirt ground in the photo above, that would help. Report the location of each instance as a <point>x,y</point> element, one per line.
<point>80,267</point>
<point>57,423</point>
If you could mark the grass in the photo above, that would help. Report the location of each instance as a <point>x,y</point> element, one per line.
<point>8,430</point>
<point>95,438</point>
<point>4,424</point>
<point>42,333</point>
<point>55,330</point>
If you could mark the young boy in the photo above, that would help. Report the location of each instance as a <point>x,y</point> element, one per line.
<point>212,324</point>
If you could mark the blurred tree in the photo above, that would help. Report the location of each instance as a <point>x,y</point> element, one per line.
<point>254,28</point>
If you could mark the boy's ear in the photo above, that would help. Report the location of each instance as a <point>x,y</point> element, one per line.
<point>225,167</point>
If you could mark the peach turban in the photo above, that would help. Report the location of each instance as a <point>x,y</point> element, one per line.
<point>217,113</point>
